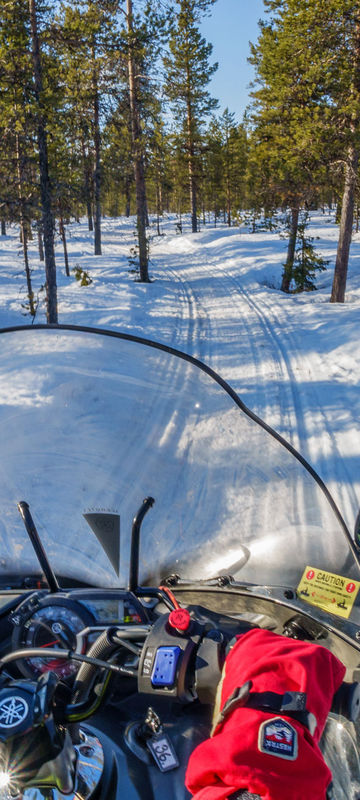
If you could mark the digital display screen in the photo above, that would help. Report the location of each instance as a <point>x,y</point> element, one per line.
<point>114,609</point>
<point>107,609</point>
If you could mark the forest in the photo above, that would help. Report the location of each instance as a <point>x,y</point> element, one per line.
<point>105,110</point>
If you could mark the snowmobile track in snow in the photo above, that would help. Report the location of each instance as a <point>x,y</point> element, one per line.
<point>264,332</point>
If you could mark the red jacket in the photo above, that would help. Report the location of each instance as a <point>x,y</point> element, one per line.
<point>270,753</point>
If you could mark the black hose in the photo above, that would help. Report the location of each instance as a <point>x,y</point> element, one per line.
<point>103,647</point>
<point>67,655</point>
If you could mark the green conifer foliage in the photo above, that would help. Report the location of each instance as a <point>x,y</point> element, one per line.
<point>234,144</point>
<point>142,38</point>
<point>39,18</point>
<point>88,48</point>
<point>117,164</point>
<point>306,112</point>
<point>307,263</point>
<point>18,158</point>
<point>213,171</point>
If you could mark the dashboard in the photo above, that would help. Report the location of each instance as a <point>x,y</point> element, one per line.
<point>176,655</point>
<point>67,620</point>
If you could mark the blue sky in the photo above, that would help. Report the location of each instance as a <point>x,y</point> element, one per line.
<point>233,23</point>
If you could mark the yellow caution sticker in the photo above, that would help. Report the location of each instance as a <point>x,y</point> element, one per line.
<point>332,593</point>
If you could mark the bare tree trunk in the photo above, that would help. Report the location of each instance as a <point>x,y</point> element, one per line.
<point>288,266</point>
<point>63,239</point>
<point>228,211</point>
<point>24,227</point>
<point>193,194</point>
<point>40,244</point>
<point>228,180</point>
<point>115,206</point>
<point>87,185</point>
<point>348,200</point>
<point>97,167</point>
<point>346,223</point>
<point>45,188</point>
<point>159,199</point>
<point>127,196</point>
<point>136,137</point>
<point>3,227</point>
<point>30,292</point>
<point>228,198</point>
<point>191,163</point>
<point>158,207</point>
<point>179,224</point>
<point>89,214</point>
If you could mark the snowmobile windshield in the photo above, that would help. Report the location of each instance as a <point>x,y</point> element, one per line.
<point>92,422</point>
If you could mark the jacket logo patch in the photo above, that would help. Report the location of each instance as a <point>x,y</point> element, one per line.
<point>278,738</point>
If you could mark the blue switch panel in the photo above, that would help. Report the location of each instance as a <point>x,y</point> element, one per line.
<point>164,669</point>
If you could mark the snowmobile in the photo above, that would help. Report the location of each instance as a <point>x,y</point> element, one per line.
<point>179,593</point>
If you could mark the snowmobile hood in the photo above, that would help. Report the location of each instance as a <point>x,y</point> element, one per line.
<point>93,421</point>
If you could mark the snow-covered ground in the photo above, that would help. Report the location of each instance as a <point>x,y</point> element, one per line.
<point>294,359</point>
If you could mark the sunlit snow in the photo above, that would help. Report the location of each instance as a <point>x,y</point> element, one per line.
<point>294,359</point>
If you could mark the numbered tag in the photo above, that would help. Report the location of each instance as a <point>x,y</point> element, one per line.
<point>163,752</point>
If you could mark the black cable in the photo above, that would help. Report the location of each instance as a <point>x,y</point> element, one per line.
<point>70,655</point>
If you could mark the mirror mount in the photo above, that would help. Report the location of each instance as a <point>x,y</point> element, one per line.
<point>135,543</point>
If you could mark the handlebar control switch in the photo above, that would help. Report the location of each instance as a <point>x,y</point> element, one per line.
<point>165,664</point>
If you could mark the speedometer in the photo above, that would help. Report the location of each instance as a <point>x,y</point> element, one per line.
<point>52,626</point>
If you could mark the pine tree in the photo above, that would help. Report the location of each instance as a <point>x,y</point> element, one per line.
<point>306,261</point>
<point>88,46</point>
<point>142,39</point>
<point>224,166</point>
<point>17,113</point>
<point>349,111</point>
<point>117,163</point>
<point>45,185</point>
<point>137,141</point>
<point>291,142</point>
<point>307,110</point>
<point>214,170</point>
<point>188,73</point>
<point>157,182</point>
<point>179,178</point>
<point>234,159</point>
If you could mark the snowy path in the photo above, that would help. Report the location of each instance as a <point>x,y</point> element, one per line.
<point>254,337</point>
<point>293,359</point>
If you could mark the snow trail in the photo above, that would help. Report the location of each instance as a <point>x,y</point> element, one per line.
<point>268,367</point>
<point>293,359</point>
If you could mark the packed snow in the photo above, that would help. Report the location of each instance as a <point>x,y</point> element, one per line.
<point>294,359</point>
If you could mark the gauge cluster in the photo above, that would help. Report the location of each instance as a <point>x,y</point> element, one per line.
<point>71,621</point>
